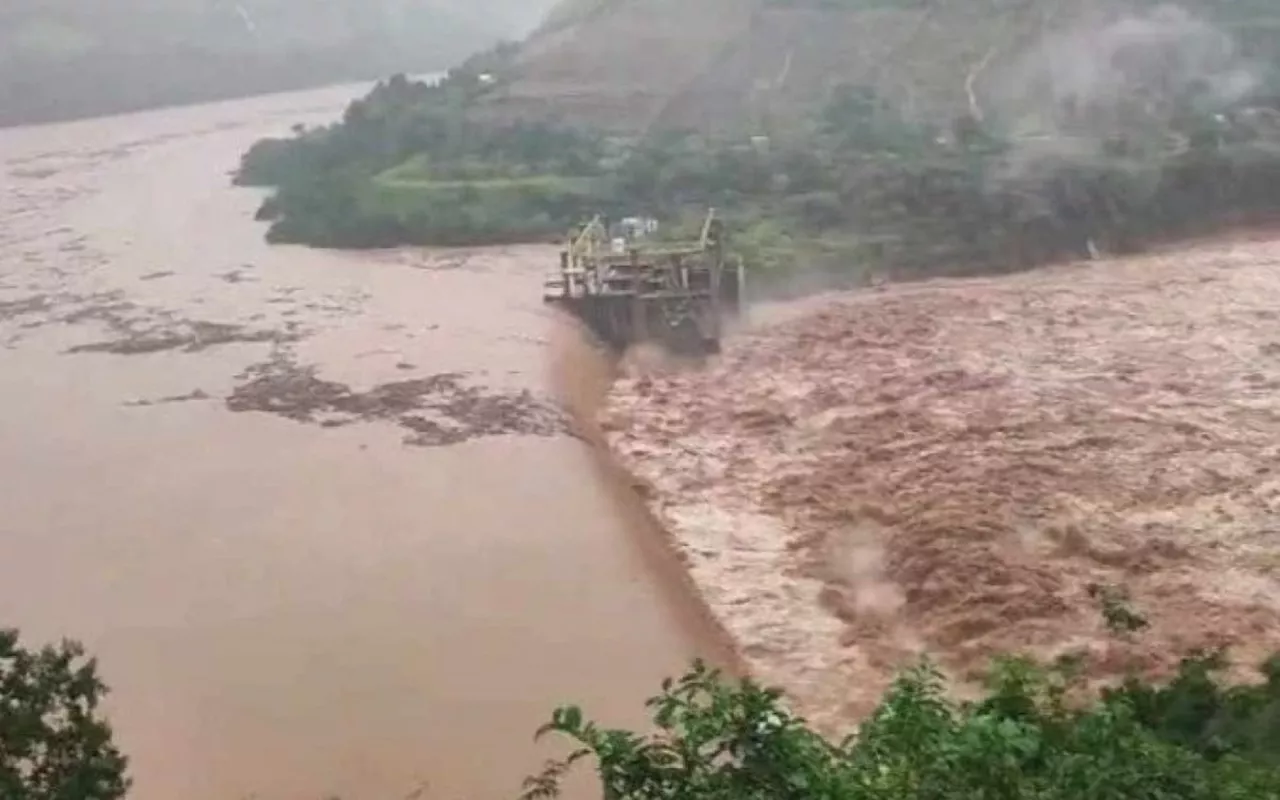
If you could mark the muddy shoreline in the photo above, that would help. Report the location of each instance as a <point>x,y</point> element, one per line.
<point>947,467</point>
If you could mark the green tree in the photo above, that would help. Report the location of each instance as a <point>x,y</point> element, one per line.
<point>721,740</point>
<point>54,742</point>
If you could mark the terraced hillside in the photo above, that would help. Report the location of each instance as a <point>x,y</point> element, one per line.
<point>618,64</point>
<point>723,64</point>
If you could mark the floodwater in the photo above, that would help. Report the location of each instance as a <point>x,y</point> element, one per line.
<point>298,584</point>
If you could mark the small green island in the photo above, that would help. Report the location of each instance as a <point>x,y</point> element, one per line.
<point>1010,166</point>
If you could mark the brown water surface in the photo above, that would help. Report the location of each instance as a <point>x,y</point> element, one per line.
<point>342,588</point>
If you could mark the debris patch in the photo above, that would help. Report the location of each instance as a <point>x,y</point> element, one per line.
<point>25,306</point>
<point>189,336</point>
<point>434,411</point>
<point>198,394</point>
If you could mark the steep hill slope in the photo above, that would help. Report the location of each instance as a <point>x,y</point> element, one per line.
<point>723,64</point>
<point>617,64</point>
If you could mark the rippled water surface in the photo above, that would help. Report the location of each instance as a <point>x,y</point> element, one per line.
<point>316,512</point>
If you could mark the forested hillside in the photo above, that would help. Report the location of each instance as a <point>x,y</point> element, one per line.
<point>903,137</point>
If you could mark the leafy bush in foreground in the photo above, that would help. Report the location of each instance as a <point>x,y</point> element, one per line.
<point>718,740</point>
<point>54,743</point>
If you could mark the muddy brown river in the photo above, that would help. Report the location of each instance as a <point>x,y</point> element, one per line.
<point>319,514</point>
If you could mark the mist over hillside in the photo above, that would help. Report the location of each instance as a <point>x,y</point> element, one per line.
<point>732,65</point>
<point>62,59</point>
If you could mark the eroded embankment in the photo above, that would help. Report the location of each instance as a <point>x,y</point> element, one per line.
<point>946,467</point>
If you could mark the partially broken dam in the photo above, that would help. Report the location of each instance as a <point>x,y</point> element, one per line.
<point>945,468</point>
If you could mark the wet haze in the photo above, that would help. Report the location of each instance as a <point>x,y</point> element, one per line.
<point>63,59</point>
<point>1070,93</point>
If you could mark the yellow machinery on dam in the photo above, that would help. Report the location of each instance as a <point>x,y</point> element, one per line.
<point>628,289</point>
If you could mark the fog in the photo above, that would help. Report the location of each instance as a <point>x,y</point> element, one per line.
<point>61,59</point>
<point>50,26</point>
<point>1129,75</point>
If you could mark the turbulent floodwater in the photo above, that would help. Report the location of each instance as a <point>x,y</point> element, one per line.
<point>949,466</point>
<point>317,513</point>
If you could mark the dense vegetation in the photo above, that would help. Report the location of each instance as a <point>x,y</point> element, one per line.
<point>854,186</point>
<point>407,164</point>
<point>1033,735</point>
<point>54,742</point>
<point>67,58</point>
